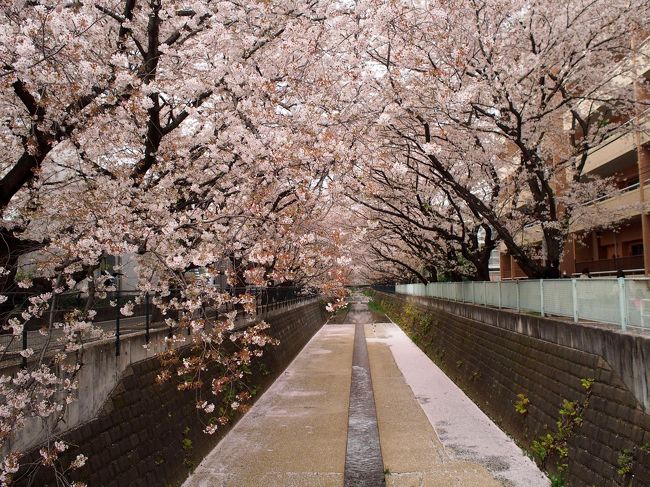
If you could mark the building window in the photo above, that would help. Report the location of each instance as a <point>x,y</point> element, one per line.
<point>636,249</point>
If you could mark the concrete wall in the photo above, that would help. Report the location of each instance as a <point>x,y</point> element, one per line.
<point>494,356</point>
<point>100,373</point>
<point>627,353</point>
<point>132,429</point>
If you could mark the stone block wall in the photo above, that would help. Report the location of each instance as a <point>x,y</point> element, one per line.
<point>627,353</point>
<point>149,434</point>
<point>606,430</point>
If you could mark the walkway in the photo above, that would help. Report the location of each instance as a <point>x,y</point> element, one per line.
<point>318,425</point>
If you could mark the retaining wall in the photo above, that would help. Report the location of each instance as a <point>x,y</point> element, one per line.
<point>149,434</point>
<point>496,356</point>
<point>100,373</point>
<point>627,353</point>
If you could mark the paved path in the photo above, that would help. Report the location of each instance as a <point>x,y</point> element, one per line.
<point>430,433</point>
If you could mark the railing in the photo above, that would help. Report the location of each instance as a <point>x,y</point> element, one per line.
<point>146,316</point>
<point>606,197</point>
<point>384,288</point>
<point>283,304</point>
<point>615,193</point>
<point>621,131</point>
<point>619,301</point>
<point>628,264</point>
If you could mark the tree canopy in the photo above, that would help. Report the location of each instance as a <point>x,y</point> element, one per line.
<point>302,142</point>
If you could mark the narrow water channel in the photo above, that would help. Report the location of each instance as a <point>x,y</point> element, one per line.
<point>364,466</point>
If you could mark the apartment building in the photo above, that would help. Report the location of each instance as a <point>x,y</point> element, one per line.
<point>626,157</point>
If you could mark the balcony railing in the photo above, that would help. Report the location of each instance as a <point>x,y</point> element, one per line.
<point>629,263</point>
<point>609,197</point>
<point>618,143</point>
<point>615,193</point>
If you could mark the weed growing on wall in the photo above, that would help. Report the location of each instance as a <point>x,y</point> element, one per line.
<point>554,446</point>
<point>521,404</point>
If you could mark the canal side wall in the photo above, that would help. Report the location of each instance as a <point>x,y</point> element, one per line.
<point>101,371</point>
<point>147,434</point>
<point>628,354</point>
<point>521,369</point>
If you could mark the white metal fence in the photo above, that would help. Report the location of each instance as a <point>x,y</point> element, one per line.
<point>624,302</point>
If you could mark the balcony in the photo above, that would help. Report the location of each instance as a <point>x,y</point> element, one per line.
<point>619,205</point>
<point>615,148</point>
<point>632,263</point>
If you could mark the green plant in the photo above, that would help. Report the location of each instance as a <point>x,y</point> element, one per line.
<point>264,370</point>
<point>571,418</point>
<point>541,447</point>
<point>159,460</point>
<point>376,307</point>
<point>557,480</point>
<point>521,404</point>
<point>587,383</point>
<point>186,444</point>
<point>246,369</point>
<point>570,409</point>
<point>625,463</point>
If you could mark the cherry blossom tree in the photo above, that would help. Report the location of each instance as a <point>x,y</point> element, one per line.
<point>410,215</point>
<point>171,132</point>
<point>500,103</point>
<point>191,134</point>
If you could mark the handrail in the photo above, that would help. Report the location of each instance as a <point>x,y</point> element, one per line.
<point>615,193</point>
<point>608,196</point>
<point>615,136</point>
<point>142,319</point>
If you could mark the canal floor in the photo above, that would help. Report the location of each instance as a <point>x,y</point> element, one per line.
<point>361,406</point>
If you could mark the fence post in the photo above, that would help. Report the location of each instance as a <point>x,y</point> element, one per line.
<point>518,303</point>
<point>485,298</point>
<point>117,318</point>
<point>170,328</point>
<point>473,294</point>
<point>24,333</point>
<point>541,292</point>
<point>574,297</point>
<point>622,301</point>
<point>499,281</point>
<point>146,317</point>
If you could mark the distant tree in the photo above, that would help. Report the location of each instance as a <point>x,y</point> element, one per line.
<point>412,217</point>
<point>500,101</point>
